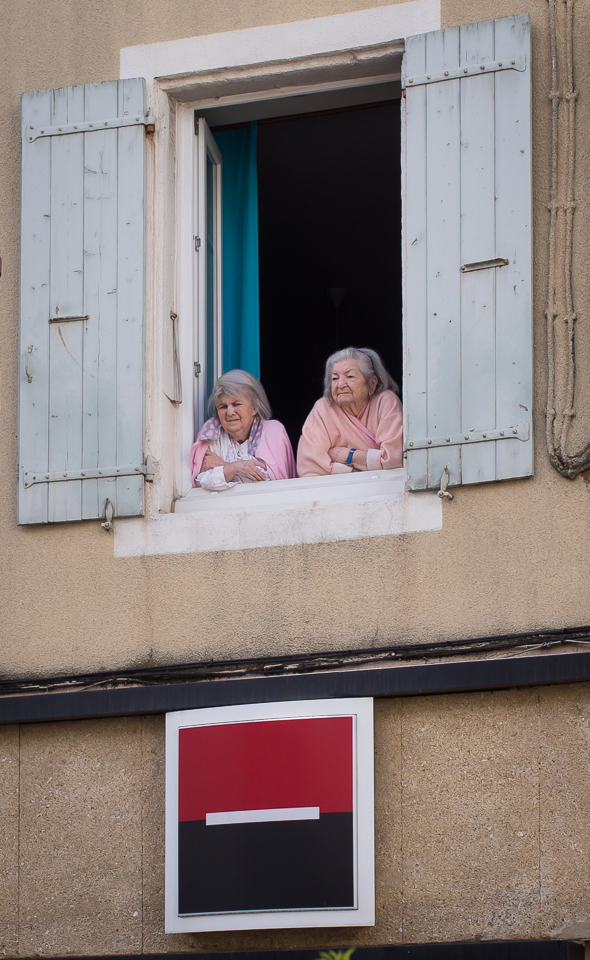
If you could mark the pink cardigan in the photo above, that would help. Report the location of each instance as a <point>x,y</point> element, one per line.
<point>274,449</point>
<point>328,426</point>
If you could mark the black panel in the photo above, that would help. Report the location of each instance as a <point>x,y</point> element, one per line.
<point>482,950</point>
<point>282,865</point>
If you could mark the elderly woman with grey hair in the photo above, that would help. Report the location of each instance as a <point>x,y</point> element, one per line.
<point>357,424</point>
<point>240,444</point>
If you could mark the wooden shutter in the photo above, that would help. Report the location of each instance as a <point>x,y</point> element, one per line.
<point>81,305</point>
<point>467,254</point>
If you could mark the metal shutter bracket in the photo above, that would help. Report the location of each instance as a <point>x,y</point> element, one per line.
<point>444,493</point>
<point>89,127</point>
<point>521,432</point>
<point>109,512</point>
<point>492,66</point>
<point>91,474</point>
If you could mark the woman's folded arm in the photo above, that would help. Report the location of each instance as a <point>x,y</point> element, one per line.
<point>214,479</point>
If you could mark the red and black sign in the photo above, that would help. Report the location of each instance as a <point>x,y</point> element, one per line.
<point>265,812</point>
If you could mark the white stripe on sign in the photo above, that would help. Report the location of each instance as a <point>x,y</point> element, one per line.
<point>262,816</point>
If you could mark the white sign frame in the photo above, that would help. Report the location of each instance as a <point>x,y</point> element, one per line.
<point>363,808</point>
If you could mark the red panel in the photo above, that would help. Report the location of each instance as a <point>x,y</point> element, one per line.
<point>266,764</point>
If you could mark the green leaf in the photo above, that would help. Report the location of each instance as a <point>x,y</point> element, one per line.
<point>336,954</point>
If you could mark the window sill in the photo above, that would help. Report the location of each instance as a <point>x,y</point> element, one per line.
<point>283,513</point>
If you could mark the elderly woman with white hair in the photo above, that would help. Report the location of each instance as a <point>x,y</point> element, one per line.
<point>240,444</point>
<point>357,424</point>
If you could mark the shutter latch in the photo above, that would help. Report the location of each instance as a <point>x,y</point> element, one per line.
<point>109,513</point>
<point>28,373</point>
<point>484,264</point>
<point>443,493</point>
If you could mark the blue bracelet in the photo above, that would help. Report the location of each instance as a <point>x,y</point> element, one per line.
<point>350,456</point>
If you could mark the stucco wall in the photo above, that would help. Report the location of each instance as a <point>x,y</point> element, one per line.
<point>511,556</point>
<point>482,829</point>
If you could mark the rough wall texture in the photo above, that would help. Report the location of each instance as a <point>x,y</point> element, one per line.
<point>9,812</point>
<point>510,557</point>
<point>482,829</point>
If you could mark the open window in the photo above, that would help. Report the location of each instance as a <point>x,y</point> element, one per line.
<point>325,269</point>
<point>311,225</point>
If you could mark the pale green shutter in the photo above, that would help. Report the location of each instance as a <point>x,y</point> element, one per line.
<point>81,303</point>
<point>467,254</point>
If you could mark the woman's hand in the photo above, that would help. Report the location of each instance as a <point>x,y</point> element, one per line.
<point>211,460</point>
<point>340,455</point>
<point>249,469</point>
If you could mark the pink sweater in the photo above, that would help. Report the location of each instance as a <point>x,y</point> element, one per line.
<point>274,449</point>
<point>328,426</point>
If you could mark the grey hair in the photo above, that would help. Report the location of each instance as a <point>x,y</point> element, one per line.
<point>239,383</point>
<point>370,365</point>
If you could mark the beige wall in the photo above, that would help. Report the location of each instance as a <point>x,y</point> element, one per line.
<point>510,557</point>
<point>482,829</point>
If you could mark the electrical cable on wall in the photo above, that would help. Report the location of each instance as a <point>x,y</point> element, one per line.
<point>290,664</point>
<point>560,313</point>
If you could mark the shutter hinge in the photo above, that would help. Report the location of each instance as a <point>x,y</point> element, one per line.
<point>521,432</point>
<point>197,367</point>
<point>459,73</point>
<point>86,126</point>
<point>149,469</point>
<point>197,243</point>
<point>106,473</point>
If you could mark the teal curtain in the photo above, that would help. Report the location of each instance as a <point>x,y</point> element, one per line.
<point>240,248</point>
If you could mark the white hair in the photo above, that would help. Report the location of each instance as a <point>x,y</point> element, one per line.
<point>239,383</point>
<point>370,365</point>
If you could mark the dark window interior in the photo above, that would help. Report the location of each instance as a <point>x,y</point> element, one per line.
<point>329,206</point>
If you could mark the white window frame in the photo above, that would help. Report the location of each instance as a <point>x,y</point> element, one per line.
<point>207,149</point>
<point>192,329</point>
<point>326,53</point>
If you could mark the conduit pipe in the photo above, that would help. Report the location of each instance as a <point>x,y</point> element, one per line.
<point>560,313</point>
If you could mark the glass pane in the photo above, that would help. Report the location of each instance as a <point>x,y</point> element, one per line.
<point>211,278</point>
